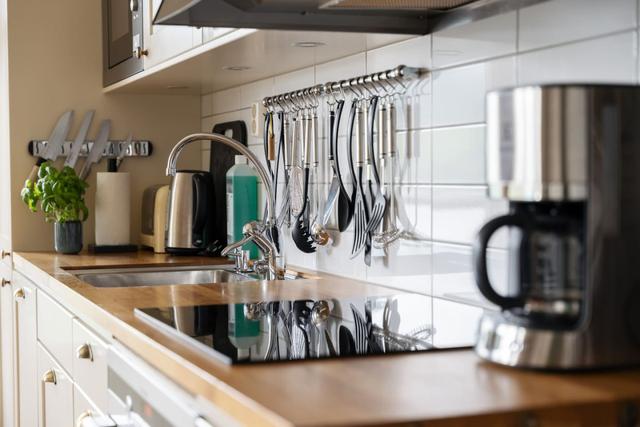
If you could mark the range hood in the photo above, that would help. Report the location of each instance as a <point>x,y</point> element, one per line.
<point>370,16</point>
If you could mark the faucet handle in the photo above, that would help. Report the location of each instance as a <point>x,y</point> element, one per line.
<point>241,259</point>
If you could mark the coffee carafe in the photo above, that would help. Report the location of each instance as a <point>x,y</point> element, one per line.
<point>567,157</point>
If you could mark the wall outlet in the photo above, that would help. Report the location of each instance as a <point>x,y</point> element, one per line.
<point>257,118</point>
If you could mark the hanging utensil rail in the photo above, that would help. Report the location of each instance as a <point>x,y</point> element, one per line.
<point>395,74</point>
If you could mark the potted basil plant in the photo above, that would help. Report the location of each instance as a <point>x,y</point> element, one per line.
<point>60,196</point>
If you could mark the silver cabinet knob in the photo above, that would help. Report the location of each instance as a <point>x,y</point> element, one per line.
<point>5,282</point>
<point>134,5</point>
<point>4,254</point>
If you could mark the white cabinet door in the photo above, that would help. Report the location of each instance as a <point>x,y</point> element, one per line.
<point>55,394</point>
<point>7,350</point>
<point>24,299</point>
<point>90,364</point>
<point>163,42</point>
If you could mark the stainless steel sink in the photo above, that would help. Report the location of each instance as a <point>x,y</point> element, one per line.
<point>170,275</point>
<point>158,276</point>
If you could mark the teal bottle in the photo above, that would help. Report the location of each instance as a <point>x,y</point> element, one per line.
<point>242,201</point>
<point>243,332</point>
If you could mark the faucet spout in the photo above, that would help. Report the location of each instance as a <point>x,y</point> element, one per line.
<point>242,149</point>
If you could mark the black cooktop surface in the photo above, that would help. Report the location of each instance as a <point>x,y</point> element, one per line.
<point>301,329</point>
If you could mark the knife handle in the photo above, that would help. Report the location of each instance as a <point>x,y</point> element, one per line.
<point>33,175</point>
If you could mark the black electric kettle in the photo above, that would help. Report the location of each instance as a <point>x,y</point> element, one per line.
<point>190,212</point>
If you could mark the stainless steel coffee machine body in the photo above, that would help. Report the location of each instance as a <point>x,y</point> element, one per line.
<point>567,157</point>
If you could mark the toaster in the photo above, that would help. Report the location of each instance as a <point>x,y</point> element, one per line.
<point>154,217</point>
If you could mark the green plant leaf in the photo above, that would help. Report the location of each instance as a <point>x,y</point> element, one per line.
<point>60,194</point>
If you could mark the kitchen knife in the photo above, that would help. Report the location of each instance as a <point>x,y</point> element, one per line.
<point>72,158</point>
<point>114,164</point>
<point>54,143</point>
<point>98,148</point>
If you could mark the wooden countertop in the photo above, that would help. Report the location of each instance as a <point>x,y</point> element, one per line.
<point>442,388</point>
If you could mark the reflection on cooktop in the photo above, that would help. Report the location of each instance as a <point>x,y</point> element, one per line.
<point>300,329</point>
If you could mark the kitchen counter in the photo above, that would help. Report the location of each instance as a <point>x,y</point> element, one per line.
<point>442,387</point>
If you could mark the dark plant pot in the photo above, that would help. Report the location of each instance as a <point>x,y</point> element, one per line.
<point>68,237</point>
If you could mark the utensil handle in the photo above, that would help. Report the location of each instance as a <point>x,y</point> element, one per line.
<point>308,144</point>
<point>351,137</point>
<point>293,159</point>
<point>391,131</point>
<point>358,128</point>
<point>271,140</point>
<point>382,131</point>
<point>314,140</point>
<point>286,142</point>
<point>332,123</point>
<point>373,110</point>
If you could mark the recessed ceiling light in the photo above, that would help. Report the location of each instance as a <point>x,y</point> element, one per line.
<point>308,44</point>
<point>236,68</point>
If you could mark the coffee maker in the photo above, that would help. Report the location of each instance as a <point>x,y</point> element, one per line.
<point>567,158</point>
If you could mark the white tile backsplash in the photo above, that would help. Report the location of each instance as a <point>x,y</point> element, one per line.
<point>460,211</point>
<point>611,59</point>
<point>440,167</point>
<point>487,38</point>
<point>459,93</point>
<point>555,22</point>
<point>415,52</point>
<point>414,157</point>
<point>461,155</point>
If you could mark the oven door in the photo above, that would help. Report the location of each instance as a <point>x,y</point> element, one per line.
<point>139,396</point>
<point>122,43</point>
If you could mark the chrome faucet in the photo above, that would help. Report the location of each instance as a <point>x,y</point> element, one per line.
<point>254,231</point>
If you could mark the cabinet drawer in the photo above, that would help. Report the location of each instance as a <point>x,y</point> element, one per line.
<point>55,395</point>
<point>90,364</point>
<point>55,326</point>
<point>82,405</point>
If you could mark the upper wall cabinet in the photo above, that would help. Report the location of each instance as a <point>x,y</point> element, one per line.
<point>162,42</point>
<point>247,40</point>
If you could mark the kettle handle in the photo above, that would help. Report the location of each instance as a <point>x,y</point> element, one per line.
<point>480,261</point>
<point>201,203</point>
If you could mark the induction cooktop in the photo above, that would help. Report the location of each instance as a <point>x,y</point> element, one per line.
<point>270,331</point>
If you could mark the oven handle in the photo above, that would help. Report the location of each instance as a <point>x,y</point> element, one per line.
<point>87,419</point>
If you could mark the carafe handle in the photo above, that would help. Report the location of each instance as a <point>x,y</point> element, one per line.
<point>480,261</point>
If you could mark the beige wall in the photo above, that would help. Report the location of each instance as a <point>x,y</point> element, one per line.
<point>55,63</point>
